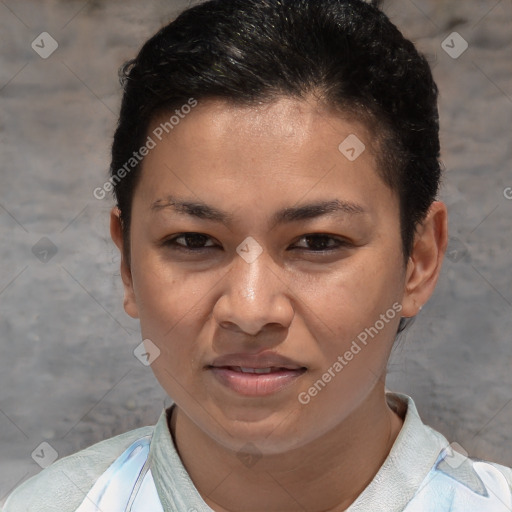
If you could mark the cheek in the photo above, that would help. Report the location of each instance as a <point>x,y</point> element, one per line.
<point>170,312</point>
<point>164,292</point>
<point>359,318</point>
<point>171,307</point>
<point>354,327</point>
<point>353,297</point>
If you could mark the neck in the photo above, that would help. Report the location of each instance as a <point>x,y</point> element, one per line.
<point>327,474</point>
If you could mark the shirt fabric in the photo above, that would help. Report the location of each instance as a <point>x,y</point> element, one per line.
<point>141,471</point>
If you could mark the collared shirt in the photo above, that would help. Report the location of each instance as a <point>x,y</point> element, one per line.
<point>141,471</point>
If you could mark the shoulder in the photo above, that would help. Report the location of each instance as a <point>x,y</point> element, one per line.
<point>506,472</point>
<point>62,486</point>
<point>448,479</point>
<point>463,484</point>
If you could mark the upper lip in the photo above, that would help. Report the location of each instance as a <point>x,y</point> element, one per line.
<point>261,360</point>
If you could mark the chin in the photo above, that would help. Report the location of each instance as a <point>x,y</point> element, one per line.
<point>271,431</point>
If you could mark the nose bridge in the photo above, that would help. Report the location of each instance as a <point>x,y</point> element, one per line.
<point>252,271</point>
<point>255,294</point>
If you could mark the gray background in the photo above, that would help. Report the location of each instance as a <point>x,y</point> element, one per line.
<point>68,375</point>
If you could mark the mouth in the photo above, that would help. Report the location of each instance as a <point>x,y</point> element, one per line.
<point>256,380</point>
<point>270,369</point>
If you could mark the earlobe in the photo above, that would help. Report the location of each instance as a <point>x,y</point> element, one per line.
<point>116,233</point>
<point>426,259</point>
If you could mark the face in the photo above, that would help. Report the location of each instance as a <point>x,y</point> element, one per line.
<point>257,244</point>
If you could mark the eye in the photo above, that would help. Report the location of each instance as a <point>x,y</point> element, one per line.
<point>196,241</point>
<point>321,242</point>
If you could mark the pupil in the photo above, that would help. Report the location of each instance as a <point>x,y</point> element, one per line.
<point>200,240</point>
<point>318,241</point>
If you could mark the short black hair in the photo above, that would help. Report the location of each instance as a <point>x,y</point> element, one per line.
<point>345,52</point>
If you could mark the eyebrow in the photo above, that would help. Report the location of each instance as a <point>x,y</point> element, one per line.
<point>308,211</point>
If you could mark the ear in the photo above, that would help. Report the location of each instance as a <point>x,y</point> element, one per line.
<point>130,305</point>
<point>426,259</point>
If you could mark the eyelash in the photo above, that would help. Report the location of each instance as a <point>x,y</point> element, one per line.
<point>171,242</point>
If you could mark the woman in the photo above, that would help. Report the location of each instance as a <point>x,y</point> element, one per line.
<point>275,169</point>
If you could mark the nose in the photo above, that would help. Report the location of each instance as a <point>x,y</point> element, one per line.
<point>256,297</point>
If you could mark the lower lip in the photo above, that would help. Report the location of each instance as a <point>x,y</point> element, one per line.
<point>255,384</point>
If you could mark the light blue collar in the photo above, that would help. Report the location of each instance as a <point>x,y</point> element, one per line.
<point>127,485</point>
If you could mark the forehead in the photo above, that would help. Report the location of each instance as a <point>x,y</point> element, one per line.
<point>271,151</point>
<point>292,120</point>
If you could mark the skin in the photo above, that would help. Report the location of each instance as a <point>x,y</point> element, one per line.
<point>251,162</point>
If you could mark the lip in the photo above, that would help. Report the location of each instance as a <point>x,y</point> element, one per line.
<point>259,360</point>
<point>284,371</point>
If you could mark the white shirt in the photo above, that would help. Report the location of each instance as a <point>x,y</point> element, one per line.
<point>141,471</point>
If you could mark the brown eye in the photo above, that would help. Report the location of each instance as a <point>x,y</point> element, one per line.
<point>194,242</point>
<point>323,243</point>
